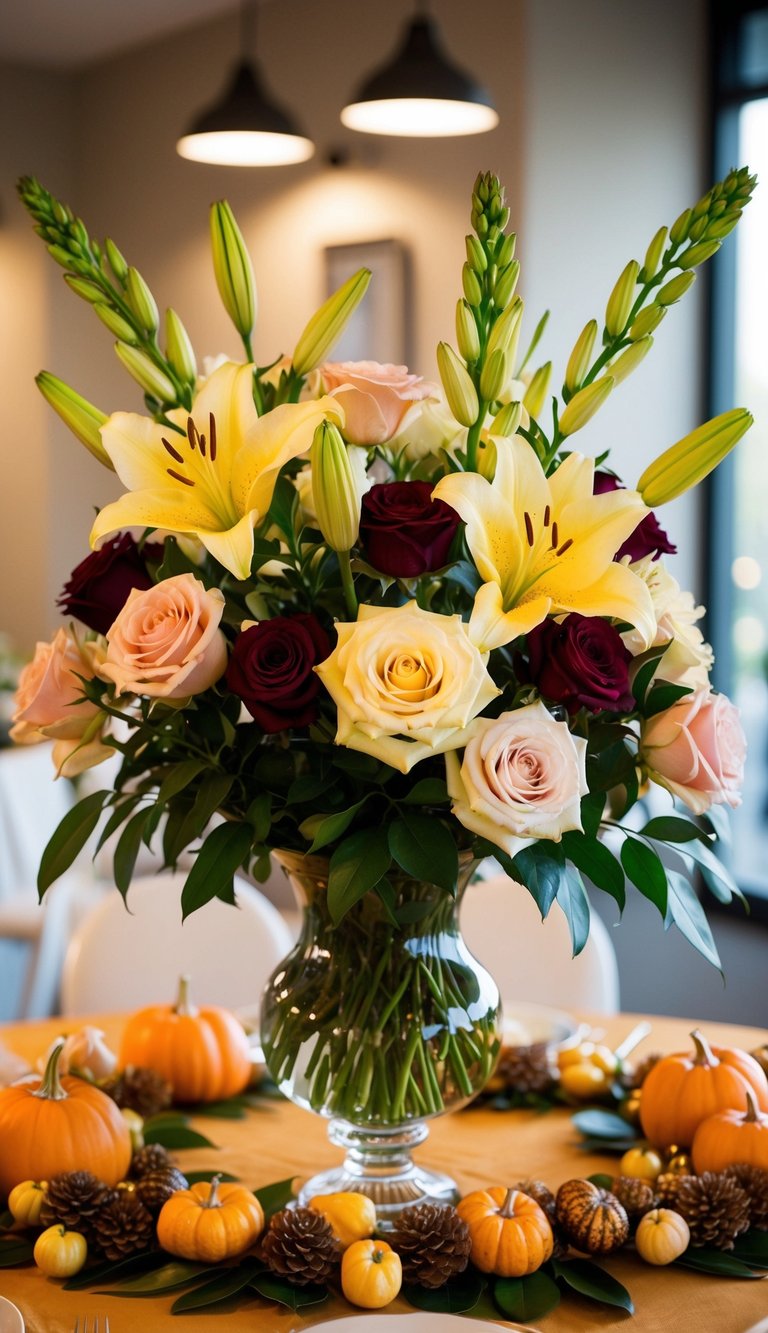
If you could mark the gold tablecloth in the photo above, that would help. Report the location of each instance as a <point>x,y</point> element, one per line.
<point>477,1147</point>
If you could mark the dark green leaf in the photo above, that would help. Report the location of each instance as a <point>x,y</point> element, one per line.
<point>7,1219</point>
<point>752,1248</point>
<point>601,1124</point>
<point>645,673</point>
<point>333,826</point>
<point>127,850</point>
<point>180,777</point>
<point>687,913</point>
<point>175,1135</point>
<point>592,807</point>
<point>670,828</point>
<point>714,1261</point>
<point>195,1177</point>
<point>231,1109</point>
<point>282,510</point>
<point>539,867</point>
<point>226,1283</point>
<point>175,561</point>
<point>15,1252</point>
<point>572,898</point>
<point>612,767</point>
<point>603,1181</point>
<point>259,815</point>
<point>596,862</point>
<point>664,696</point>
<point>425,849</point>
<point>306,788</point>
<point>460,1294</point>
<point>179,1273</point>
<point>428,791</point>
<point>119,815</point>
<point>70,838</point>
<point>620,1146</point>
<point>525,1298</point>
<point>111,1270</point>
<point>276,1196</point>
<point>274,1288</point>
<point>646,872</point>
<point>210,796</point>
<point>225,849</point>
<point>355,867</point>
<point>590,1280</point>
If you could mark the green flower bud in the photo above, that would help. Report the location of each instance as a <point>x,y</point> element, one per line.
<point>647,321</point>
<point>476,256</point>
<point>630,358</point>
<point>578,361</point>
<point>653,255</point>
<point>470,282</point>
<point>704,205</point>
<point>506,283</point>
<point>722,226</point>
<point>336,491</point>
<point>116,324</point>
<point>482,225</point>
<point>679,230</point>
<point>467,335</point>
<point>698,229</point>
<point>690,460</point>
<point>506,251</point>
<point>178,348</point>
<point>673,290</point>
<point>698,254</point>
<point>504,332</point>
<point>81,416</point>
<point>146,374</point>
<point>62,257</point>
<point>487,456</point>
<point>61,212</point>
<point>233,268</point>
<point>493,375</point>
<point>620,299</point>
<point>507,419</point>
<point>585,404</point>
<point>141,301</point>
<point>457,384</point>
<point>85,288</point>
<point>327,323</point>
<point>116,261</point>
<point>535,394</point>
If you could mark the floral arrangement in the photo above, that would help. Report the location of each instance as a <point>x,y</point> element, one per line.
<point>388,621</point>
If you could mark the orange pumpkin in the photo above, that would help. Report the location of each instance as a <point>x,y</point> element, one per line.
<point>210,1222</point>
<point>510,1233</point>
<point>203,1053</point>
<point>732,1136</point>
<point>684,1089</point>
<point>57,1124</point>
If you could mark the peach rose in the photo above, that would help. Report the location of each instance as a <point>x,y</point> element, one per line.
<point>49,698</point>
<point>374,397</point>
<point>166,642</point>
<point>522,777</point>
<point>696,749</point>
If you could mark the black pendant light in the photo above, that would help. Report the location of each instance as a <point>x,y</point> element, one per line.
<point>420,93</point>
<point>245,128</point>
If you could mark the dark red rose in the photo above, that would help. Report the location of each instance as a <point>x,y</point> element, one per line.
<point>98,587</point>
<point>648,538</point>
<point>581,662</point>
<point>271,670</point>
<point>403,531</point>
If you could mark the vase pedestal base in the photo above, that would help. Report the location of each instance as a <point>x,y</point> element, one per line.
<point>378,1164</point>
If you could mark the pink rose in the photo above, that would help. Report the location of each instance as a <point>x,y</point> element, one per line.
<point>374,397</point>
<point>696,749</point>
<point>166,642</point>
<point>49,697</point>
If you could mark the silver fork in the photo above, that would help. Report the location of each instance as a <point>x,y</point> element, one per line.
<point>91,1324</point>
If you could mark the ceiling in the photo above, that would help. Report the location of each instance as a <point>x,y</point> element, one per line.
<point>67,34</point>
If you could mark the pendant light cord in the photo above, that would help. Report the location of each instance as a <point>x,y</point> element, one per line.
<point>248,29</point>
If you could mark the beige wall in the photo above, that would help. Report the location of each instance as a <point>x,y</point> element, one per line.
<point>601,140</point>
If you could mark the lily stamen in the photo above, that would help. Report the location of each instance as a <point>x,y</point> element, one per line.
<point>554,535</point>
<point>179,458</point>
<point>528,528</point>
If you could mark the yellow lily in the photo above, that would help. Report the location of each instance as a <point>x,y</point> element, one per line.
<point>214,479</point>
<point>545,545</point>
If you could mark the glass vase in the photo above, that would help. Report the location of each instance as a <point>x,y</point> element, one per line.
<point>379,1023</point>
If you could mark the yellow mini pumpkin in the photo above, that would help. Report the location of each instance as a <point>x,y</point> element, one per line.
<point>732,1136</point>
<point>641,1164</point>
<point>203,1053</point>
<point>60,1253</point>
<point>371,1274</point>
<point>510,1233</point>
<point>210,1222</point>
<point>662,1236</point>
<point>352,1216</point>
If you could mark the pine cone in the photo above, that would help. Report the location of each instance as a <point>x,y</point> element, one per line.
<point>526,1068</point>
<point>140,1090</point>
<point>636,1197</point>
<point>156,1187</point>
<point>123,1225</point>
<point>433,1243</point>
<point>153,1157</point>
<point>667,1186</point>
<point>754,1181</point>
<point>536,1189</point>
<point>300,1246</point>
<point>715,1207</point>
<point>73,1198</point>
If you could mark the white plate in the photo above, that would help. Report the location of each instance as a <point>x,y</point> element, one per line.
<point>10,1318</point>
<point>418,1322</point>
<point>525,1024</point>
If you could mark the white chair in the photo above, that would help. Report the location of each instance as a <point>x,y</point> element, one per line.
<point>530,959</point>
<point>124,959</point>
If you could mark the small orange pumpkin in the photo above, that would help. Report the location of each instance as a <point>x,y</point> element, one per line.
<point>510,1233</point>
<point>732,1136</point>
<point>203,1053</point>
<point>684,1089</point>
<point>57,1124</point>
<point>210,1222</point>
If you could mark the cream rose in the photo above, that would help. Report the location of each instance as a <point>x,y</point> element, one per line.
<point>522,777</point>
<point>166,642</point>
<point>696,749</point>
<point>426,428</point>
<point>374,397</point>
<point>688,658</point>
<point>406,682</point>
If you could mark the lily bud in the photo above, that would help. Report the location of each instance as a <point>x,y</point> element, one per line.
<point>327,323</point>
<point>233,268</point>
<point>533,398</point>
<point>722,227</point>
<point>470,282</point>
<point>487,456</point>
<point>116,261</point>
<point>83,287</point>
<point>690,460</point>
<point>116,324</point>
<point>506,283</point>
<point>141,301</point>
<point>585,404</point>
<point>457,384</point>
<point>146,374</point>
<point>81,416</point>
<point>503,334</point>
<point>698,254</point>
<point>679,230</point>
<point>467,335</point>
<point>630,359</point>
<point>336,490</point>
<point>476,256</point>
<point>578,361</point>
<point>653,255</point>
<point>647,321</point>
<point>178,348</point>
<point>673,290</point>
<point>620,299</point>
<point>506,251</point>
<point>493,375</point>
<point>507,420</point>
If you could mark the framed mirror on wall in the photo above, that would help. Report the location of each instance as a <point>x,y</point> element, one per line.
<point>381,326</point>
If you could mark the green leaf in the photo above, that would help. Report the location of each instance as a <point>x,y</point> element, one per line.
<point>15,1252</point>
<point>274,1288</point>
<point>175,561</point>
<point>714,1261</point>
<point>664,696</point>
<point>425,849</point>
<point>282,510</point>
<point>646,872</point>
<point>70,838</point>
<point>460,1294</point>
<point>572,898</point>
<point>333,826</point>
<point>122,810</point>
<point>601,1124</point>
<point>670,828</point>
<point>259,815</point>
<point>428,791</point>
<point>645,673</point>
<point>175,1135</point>
<point>6,1219</point>
<point>180,777</point>
<point>111,1270</point>
<point>210,796</point>
<point>127,849</point>
<point>596,862</point>
<point>718,878</point>
<point>590,1280</point>
<point>356,866</point>
<point>196,1177</point>
<point>688,915</point>
<point>225,849</point>
<point>179,1273</point>
<point>231,1109</point>
<point>226,1283</point>
<point>592,807</point>
<point>752,1248</point>
<point>539,867</point>
<point>603,1181</point>
<point>276,1196</point>
<point>525,1298</point>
